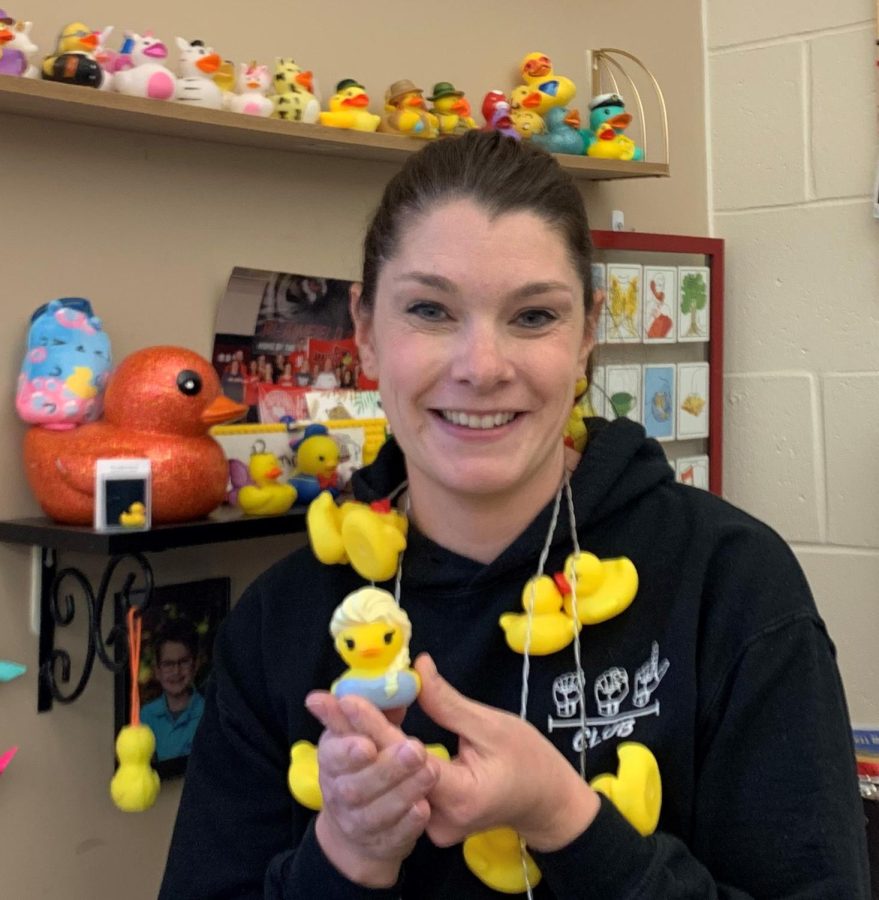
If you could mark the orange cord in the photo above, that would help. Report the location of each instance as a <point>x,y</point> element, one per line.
<point>135,624</point>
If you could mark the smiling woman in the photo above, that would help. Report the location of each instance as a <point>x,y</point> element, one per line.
<point>633,737</point>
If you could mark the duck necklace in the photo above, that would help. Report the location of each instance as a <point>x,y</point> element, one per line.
<point>371,632</point>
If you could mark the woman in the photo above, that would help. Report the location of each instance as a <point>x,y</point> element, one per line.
<point>476,316</point>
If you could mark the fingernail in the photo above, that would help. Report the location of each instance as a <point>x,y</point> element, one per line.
<point>429,666</point>
<point>351,709</point>
<point>315,705</point>
<point>410,754</point>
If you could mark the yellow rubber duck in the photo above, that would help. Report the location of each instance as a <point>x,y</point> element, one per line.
<point>265,497</point>
<point>575,433</point>
<point>495,858</point>
<point>636,789</point>
<point>526,121</point>
<point>348,108</point>
<point>610,144</point>
<point>405,112</point>
<point>554,90</point>
<point>605,587</point>
<point>73,60</point>
<point>134,516</point>
<point>551,629</point>
<point>370,537</point>
<point>135,785</point>
<point>303,774</point>
<point>451,108</point>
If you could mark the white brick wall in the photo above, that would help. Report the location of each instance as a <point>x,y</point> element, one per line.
<point>792,106</point>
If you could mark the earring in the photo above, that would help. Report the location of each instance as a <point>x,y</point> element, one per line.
<point>574,434</point>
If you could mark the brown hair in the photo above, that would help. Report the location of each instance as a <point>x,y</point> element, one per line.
<point>501,174</point>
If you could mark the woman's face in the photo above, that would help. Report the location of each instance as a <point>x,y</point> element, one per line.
<point>477,337</point>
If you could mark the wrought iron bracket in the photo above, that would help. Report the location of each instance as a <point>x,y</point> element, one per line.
<point>62,593</point>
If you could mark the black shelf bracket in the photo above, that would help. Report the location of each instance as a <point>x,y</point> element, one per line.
<point>62,593</point>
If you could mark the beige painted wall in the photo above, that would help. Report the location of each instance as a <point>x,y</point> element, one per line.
<point>792,102</point>
<point>148,228</point>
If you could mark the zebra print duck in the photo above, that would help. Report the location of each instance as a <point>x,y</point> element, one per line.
<point>196,68</point>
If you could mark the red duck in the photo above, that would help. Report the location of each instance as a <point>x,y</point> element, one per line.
<point>159,404</point>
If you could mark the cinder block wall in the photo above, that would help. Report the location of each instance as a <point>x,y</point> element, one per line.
<point>793,152</point>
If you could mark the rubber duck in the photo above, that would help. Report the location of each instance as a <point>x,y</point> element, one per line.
<point>496,112</point>
<point>147,77</point>
<point>524,115</point>
<point>196,69</point>
<point>636,789</point>
<point>575,433</point>
<point>608,144</point>
<point>550,628</point>
<point>317,460</point>
<point>16,48</point>
<point>295,99</point>
<point>265,496</point>
<point>369,536</point>
<point>73,61</point>
<point>159,404</point>
<point>371,633</point>
<point>451,108</point>
<point>495,857</point>
<point>563,134</point>
<point>555,90</point>
<point>10,670</point>
<point>610,110</point>
<point>134,516</point>
<point>252,84</point>
<point>110,61</point>
<point>6,758</point>
<point>348,108</point>
<point>605,587</point>
<point>405,112</point>
<point>135,785</point>
<point>302,776</point>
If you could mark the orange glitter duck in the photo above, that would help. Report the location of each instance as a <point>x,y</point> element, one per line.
<point>159,404</point>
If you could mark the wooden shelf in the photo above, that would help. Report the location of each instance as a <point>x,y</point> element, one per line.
<point>224,524</point>
<point>86,106</point>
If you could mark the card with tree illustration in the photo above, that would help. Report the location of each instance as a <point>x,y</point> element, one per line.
<point>692,470</point>
<point>658,393</point>
<point>624,304</point>
<point>694,293</point>
<point>660,304</point>
<point>623,388</point>
<point>692,402</point>
<point>599,287</point>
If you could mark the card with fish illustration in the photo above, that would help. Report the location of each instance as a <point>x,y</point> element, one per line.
<point>692,470</point>
<point>659,401</point>
<point>599,283</point>
<point>692,402</point>
<point>623,388</point>
<point>660,304</point>
<point>596,392</point>
<point>623,304</point>
<point>694,309</point>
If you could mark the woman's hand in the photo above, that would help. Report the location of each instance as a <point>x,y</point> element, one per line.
<point>505,773</point>
<point>374,781</point>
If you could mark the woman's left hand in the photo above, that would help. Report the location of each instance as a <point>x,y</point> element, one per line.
<point>505,773</point>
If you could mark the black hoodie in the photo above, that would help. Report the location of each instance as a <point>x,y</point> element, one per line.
<point>721,666</point>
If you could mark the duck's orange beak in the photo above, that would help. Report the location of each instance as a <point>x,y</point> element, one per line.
<point>210,63</point>
<point>358,102</point>
<point>620,120</point>
<point>90,41</point>
<point>371,652</point>
<point>222,410</point>
<point>273,473</point>
<point>573,118</point>
<point>5,35</point>
<point>532,100</point>
<point>306,79</point>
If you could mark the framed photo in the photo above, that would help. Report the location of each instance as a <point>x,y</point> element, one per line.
<point>599,283</point>
<point>176,654</point>
<point>660,304</point>
<point>123,494</point>
<point>623,304</point>
<point>692,470</point>
<point>623,387</point>
<point>659,401</point>
<point>694,311</point>
<point>692,404</point>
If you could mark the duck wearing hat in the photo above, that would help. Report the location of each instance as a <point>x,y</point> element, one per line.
<point>349,108</point>
<point>609,110</point>
<point>405,112</point>
<point>451,108</point>
<point>551,89</point>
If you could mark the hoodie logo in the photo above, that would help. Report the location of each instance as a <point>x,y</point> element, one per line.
<point>619,702</point>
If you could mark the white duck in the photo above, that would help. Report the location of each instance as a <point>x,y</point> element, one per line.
<point>251,85</point>
<point>16,48</point>
<point>197,66</point>
<point>147,77</point>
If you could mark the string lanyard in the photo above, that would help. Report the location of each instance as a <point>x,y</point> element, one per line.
<point>135,626</point>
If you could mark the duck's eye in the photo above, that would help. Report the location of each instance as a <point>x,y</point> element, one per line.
<point>349,643</point>
<point>389,636</point>
<point>189,382</point>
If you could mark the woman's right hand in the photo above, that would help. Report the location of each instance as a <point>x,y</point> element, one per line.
<point>374,780</point>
